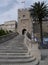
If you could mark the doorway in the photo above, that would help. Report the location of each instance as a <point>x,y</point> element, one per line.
<point>23,31</point>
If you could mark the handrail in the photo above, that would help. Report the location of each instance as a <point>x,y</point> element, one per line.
<point>28,43</point>
<point>32,49</point>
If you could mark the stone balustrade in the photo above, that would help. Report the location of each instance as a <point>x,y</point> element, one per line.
<point>7,37</point>
<point>28,43</point>
<point>32,48</point>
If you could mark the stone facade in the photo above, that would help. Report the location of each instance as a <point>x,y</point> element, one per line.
<point>45,26</point>
<point>24,21</point>
<point>2,26</point>
<point>9,25</point>
<point>36,28</point>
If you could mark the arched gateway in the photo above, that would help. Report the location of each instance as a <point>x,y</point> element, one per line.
<point>23,31</point>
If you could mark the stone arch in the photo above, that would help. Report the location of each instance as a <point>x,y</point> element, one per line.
<point>23,31</point>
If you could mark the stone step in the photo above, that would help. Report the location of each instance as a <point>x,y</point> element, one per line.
<point>13,51</point>
<point>25,50</point>
<point>15,57</point>
<point>21,60</point>
<point>36,62</point>
<point>16,44</point>
<point>21,63</point>
<point>20,48</point>
<point>17,54</point>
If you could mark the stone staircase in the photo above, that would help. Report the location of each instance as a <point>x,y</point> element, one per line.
<point>14,51</point>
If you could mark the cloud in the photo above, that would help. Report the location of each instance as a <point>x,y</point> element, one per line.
<point>9,8</point>
<point>11,14</point>
<point>28,3</point>
<point>6,5</point>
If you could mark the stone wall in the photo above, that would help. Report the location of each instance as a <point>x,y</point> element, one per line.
<point>24,21</point>
<point>7,37</point>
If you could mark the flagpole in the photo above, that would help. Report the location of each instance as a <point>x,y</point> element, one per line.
<point>23,2</point>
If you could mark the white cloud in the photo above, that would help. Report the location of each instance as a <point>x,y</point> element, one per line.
<point>11,14</point>
<point>4,3</point>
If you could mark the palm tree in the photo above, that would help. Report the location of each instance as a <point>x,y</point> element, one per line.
<point>38,12</point>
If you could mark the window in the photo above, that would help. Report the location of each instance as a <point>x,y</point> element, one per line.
<point>23,15</point>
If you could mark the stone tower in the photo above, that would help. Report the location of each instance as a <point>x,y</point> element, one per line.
<point>24,21</point>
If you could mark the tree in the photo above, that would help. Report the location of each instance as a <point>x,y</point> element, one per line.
<point>38,12</point>
<point>2,32</point>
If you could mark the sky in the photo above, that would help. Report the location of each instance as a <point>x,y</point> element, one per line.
<point>9,8</point>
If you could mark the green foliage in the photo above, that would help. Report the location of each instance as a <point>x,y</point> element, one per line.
<point>10,31</point>
<point>38,10</point>
<point>2,32</point>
